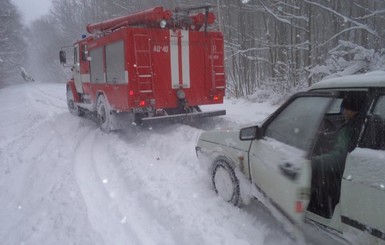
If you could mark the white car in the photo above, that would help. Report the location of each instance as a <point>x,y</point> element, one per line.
<point>275,157</point>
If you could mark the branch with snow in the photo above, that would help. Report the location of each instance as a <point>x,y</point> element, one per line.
<point>348,58</point>
<point>347,19</point>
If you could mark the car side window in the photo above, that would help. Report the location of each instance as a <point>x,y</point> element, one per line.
<point>374,135</point>
<point>335,107</point>
<point>379,109</point>
<point>297,124</point>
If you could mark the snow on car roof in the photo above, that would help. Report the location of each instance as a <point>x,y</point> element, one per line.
<point>370,79</point>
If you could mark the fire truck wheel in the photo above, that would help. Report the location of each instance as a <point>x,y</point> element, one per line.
<point>72,107</point>
<point>103,113</point>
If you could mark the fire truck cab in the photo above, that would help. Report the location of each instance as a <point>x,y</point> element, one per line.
<point>153,65</point>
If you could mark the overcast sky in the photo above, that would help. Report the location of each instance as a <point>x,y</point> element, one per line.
<point>32,9</point>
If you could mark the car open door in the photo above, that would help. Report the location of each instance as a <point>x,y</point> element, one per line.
<point>363,183</point>
<point>279,162</point>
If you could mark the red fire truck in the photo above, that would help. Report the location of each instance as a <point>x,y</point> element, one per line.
<point>151,65</point>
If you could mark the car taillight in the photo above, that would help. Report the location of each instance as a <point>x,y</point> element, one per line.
<point>142,103</point>
<point>299,207</point>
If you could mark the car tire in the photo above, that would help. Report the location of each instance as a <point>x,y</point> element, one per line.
<point>225,181</point>
<point>72,107</point>
<point>103,113</point>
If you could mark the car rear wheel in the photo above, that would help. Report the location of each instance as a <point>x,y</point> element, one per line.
<point>225,182</point>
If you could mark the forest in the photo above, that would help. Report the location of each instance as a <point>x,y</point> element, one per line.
<point>271,46</point>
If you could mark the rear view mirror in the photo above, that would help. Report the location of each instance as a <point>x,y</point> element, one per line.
<point>62,56</point>
<point>249,133</point>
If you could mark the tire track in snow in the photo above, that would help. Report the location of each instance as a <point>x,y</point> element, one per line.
<point>146,189</point>
<point>117,215</point>
<point>50,95</point>
<point>129,197</point>
<point>160,214</point>
<point>29,111</point>
<point>94,193</point>
<point>39,186</point>
<point>176,190</point>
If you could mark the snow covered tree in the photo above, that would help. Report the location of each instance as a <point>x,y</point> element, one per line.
<point>286,39</point>
<point>269,44</point>
<point>348,58</point>
<point>12,46</point>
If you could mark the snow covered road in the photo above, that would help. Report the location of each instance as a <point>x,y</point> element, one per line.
<point>64,181</point>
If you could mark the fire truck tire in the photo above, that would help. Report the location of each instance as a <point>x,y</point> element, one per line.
<point>72,107</point>
<point>103,113</point>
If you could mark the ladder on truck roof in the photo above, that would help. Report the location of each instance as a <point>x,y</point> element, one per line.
<point>143,62</point>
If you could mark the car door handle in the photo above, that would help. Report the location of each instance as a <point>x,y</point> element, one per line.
<point>289,170</point>
<point>348,178</point>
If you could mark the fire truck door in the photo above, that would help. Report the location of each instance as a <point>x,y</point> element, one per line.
<point>116,75</point>
<point>76,69</point>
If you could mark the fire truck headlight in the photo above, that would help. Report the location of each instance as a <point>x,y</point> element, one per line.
<point>181,94</point>
<point>162,24</point>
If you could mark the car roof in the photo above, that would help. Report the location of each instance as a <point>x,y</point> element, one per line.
<point>366,80</point>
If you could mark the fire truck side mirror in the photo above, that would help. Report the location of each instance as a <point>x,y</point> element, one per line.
<point>62,56</point>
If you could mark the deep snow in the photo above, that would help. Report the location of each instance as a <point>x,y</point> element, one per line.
<point>64,181</point>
